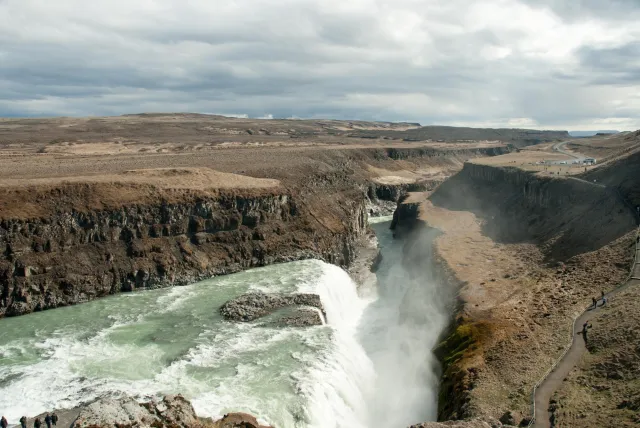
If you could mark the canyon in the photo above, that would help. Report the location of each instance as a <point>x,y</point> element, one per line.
<point>94,207</point>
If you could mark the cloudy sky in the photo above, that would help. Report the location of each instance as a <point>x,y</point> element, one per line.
<point>554,64</point>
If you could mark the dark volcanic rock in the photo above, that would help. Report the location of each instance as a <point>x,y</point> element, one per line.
<point>252,306</point>
<point>300,318</point>
<point>75,257</point>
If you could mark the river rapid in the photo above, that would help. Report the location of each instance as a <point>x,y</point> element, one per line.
<point>370,365</point>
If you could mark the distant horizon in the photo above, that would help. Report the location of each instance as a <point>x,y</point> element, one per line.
<point>271,117</point>
<point>514,64</point>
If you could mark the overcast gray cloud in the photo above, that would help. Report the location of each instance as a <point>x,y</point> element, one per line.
<point>543,64</point>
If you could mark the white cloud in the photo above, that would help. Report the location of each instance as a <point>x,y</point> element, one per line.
<point>500,62</point>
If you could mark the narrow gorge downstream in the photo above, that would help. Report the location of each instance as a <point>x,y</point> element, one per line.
<point>371,365</point>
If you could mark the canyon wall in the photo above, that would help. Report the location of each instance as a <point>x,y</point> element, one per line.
<point>69,243</point>
<point>75,256</point>
<point>565,215</point>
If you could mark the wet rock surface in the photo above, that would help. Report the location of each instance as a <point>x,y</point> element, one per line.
<point>252,306</point>
<point>299,318</point>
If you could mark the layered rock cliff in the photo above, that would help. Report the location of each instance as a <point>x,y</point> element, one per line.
<point>74,255</point>
<point>556,213</point>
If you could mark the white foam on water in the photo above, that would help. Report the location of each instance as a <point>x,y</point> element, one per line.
<point>381,219</point>
<point>176,298</point>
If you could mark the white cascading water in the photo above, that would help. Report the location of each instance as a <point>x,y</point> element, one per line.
<point>337,383</point>
<point>379,369</point>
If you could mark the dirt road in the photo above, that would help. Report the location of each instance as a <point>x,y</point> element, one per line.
<point>560,148</point>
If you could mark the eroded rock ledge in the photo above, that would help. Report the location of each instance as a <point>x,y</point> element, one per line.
<point>252,306</point>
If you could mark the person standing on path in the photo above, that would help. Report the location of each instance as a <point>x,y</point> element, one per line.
<point>585,327</point>
<point>54,419</point>
<point>23,422</point>
<point>47,420</point>
<point>37,423</point>
<point>3,422</point>
<point>594,301</point>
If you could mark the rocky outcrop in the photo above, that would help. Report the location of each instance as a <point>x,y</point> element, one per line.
<point>238,420</point>
<point>393,192</point>
<point>405,217</point>
<point>172,411</point>
<point>302,317</point>
<point>75,255</point>
<point>252,306</point>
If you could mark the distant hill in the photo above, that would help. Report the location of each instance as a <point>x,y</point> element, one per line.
<point>518,137</point>
<point>590,133</point>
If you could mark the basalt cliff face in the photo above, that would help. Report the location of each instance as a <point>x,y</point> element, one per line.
<point>75,256</point>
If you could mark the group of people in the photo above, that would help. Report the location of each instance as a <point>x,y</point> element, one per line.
<point>586,326</point>
<point>49,420</point>
<point>595,301</point>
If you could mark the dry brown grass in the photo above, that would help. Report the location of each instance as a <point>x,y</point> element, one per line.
<point>162,178</point>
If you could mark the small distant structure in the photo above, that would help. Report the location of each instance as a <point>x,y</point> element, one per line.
<point>589,161</point>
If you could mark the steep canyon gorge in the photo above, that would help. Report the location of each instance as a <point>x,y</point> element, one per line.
<point>478,273</point>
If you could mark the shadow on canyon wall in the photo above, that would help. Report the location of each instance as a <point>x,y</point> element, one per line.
<point>564,216</point>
